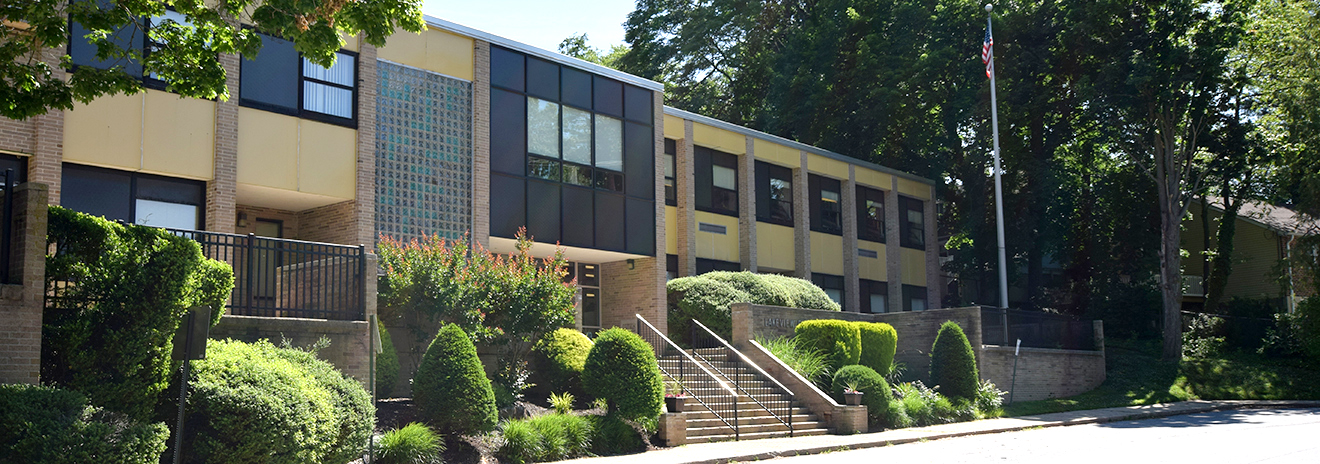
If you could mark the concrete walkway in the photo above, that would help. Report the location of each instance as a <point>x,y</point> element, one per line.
<point>730,451</point>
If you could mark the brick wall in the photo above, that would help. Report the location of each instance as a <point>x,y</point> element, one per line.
<point>917,330</point>
<point>21,300</point>
<point>363,220</point>
<point>222,189</point>
<point>288,219</point>
<point>17,136</point>
<point>481,143</point>
<point>1042,373</point>
<point>625,292</point>
<point>337,223</point>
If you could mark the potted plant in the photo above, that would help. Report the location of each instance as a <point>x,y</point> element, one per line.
<point>675,397</point>
<point>851,396</point>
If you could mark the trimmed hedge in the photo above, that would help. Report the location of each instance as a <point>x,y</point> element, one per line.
<point>559,358</point>
<point>879,343</point>
<point>109,337</point>
<point>840,341</point>
<point>387,365</point>
<point>45,425</point>
<point>259,403</point>
<point>412,444</point>
<point>451,389</point>
<point>621,368</point>
<point>953,363</point>
<point>876,394</point>
<point>614,436</point>
<point>707,297</point>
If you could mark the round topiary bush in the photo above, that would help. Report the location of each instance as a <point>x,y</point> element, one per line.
<point>707,297</point>
<point>559,358</point>
<point>387,365</point>
<point>876,394</point>
<point>40,425</point>
<point>756,286</point>
<point>451,389</point>
<point>840,341</point>
<point>802,293</point>
<point>879,342</point>
<point>953,363</point>
<point>621,368</point>
<point>259,403</point>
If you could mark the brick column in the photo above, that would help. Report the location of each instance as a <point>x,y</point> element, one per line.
<point>364,204</point>
<point>801,221</point>
<point>480,205</point>
<point>222,189</point>
<point>48,138</point>
<point>687,203</point>
<point>21,299</point>
<point>660,316</point>
<point>851,301</point>
<point>893,256</point>
<point>747,207</point>
<point>934,284</point>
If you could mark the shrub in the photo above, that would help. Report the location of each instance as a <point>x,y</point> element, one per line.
<point>953,363</point>
<point>551,437</point>
<point>40,425</point>
<point>562,403</point>
<point>707,297</point>
<point>412,444</point>
<point>451,389</point>
<point>840,341</point>
<point>387,365</point>
<point>621,368</point>
<point>1205,337</point>
<point>559,358</point>
<point>875,391</point>
<point>1296,333</point>
<point>614,436</point>
<point>923,406</point>
<point>802,293</point>
<point>109,337</point>
<point>879,342</point>
<point>810,363</point>
<point>989,399</point>
<point>259,403</point>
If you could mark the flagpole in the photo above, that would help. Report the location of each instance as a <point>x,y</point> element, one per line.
<point>999,186</point>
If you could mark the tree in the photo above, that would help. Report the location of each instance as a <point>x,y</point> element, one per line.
<point>576,47</point>
<point>34,33</point>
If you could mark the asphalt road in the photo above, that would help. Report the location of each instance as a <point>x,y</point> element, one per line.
<point>1238,436</point>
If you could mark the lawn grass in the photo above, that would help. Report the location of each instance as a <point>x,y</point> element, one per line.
<point>1137,376</point>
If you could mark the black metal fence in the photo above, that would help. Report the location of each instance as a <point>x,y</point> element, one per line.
<point>276,277</point>
<point>699,384</point>
<point>7,227</point>
<point>1036,329</point>
<point>746,377</point>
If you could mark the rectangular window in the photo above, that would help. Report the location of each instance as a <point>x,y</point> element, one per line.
<point>138,198</point>
<point>708,265</point>
<point>913,223</point>
<point>330,91</point>
<point>831,284</point>
<point>280,80</point>
<point>774,194</point>
<point>609,143</point>
<point>543,127</point>
<point>671,192</point>
<point>671,267</point>
<point>914,298</point>
<point>577,135</point>
<point>716,181</point>
<point>826,210</point>
<point>870,214</point>
<point>875,296</point>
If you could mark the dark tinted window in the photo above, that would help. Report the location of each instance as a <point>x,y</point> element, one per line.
<point>508,204</point>
<point>774,194</point>
<point>826,207</point>
<point>912,223</point>
<point>716,176</point>
<point>608,96</point>
<point>506,68</point>
<point>543,210</point>
<point>671,192</point>
<point>831,284</point>
<point>542,78</point>
<point>170,190</point>
<point>508,131</point>
<point>875,296</point>
<point>99,192</point>
<point>914,298</point>
<point>639,159</point>
<point>870,214</point>
<point>708,265</point>
<point>576,88</point>
<point>83,53</point>
<point>610,222</point>
<point>270,80</point>
<point>579,217</point>
<point>637,103</point>
<point>18,164</point>
<point>641,227</point>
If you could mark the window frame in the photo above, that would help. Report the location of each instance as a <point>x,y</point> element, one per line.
<point>301,111</point>
<point>706,160</point>
<point>867,288</point>
<point>906,240</point>
<point>144,25</point>
<point>864,232</point>
<point>766,174</point>
<point>671,185</point>
<point>816,189</point>
<point>133,195</point>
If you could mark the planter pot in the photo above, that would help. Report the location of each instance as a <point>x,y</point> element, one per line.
<point>853,398</point>
<point>676,403</point>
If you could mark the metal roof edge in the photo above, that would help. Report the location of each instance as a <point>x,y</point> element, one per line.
<point>545,54</point>
<point>707,120</point>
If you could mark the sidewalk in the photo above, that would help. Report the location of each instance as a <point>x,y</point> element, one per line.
<point>724,452</point>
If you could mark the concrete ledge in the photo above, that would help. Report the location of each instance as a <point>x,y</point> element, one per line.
<point>1009,349</point>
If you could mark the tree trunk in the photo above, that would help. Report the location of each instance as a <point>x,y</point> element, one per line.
<point>1171,276</point>
<point>1223,262</point>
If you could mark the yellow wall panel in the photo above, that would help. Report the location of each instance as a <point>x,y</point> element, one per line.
<point>179,136</point>
<point>671,230</point>
<point>874,179</point>
<point>449,54</point>
<point>719,139</point>
<point>674,128</point>
<point>872,268</point>
<point>774,247</point>
<point>267,149</point>
<point>715,246</point>
<point>777,153</point>
<point>913,188</point>
<point>405,48</point>
<point>105,132</point>
<point>350,42</point>
<point>826,253</point>
<point>914,266</point>
<point>822,165</point>
<point>327,160</point>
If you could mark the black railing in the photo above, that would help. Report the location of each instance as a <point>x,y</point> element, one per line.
<point>693,379</point>
<point>746,377</point>
<point>7,228</point>
<point>1005,327</point>
<point>277,277</point>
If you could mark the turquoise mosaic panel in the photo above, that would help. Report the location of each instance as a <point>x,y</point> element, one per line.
<point>423,153</point>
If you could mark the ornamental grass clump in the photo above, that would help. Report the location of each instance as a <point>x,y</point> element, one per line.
<point>413,444</point>
<point>810,363</point>
<point>953,363</point>
<point>451,389</point>
<point>550,437</point>
<point>621,368</point>
<point>840,341</point>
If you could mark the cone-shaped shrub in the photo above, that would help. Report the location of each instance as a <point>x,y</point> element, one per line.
<point>451,389</point>
<point>879,342</point>
<point>621,368</point>
<point>953,363</point>
<point>387,366</point>
<point>876,394</point>
<point>840,341</point>
<point>559,358</point>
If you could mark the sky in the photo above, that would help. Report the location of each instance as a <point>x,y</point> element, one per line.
<point>542,23</point>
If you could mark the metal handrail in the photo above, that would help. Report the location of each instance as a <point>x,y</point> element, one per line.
<point>758,369</point>
<point>641,321</point>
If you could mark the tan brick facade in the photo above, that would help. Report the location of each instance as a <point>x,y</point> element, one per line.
<point>687,203</point>
<point>851,296</point>
<point>335,223</point>
<point>893,256</point>
<point>222,189</point>
<point>747,207</point>
<point>801,220</point>
<point>481,143</point>
<point>363,221</point>
<point>21,299</point>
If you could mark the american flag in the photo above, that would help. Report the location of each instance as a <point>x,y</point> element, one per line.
<point>988,52</point>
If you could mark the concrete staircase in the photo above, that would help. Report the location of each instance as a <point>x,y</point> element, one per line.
<point>717,419</point>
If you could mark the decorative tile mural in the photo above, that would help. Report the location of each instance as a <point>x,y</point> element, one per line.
<point>423,153</point>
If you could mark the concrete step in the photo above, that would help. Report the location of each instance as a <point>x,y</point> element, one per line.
<point>756,436</point>
<point>703,414</point>
<point>798,422</point>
